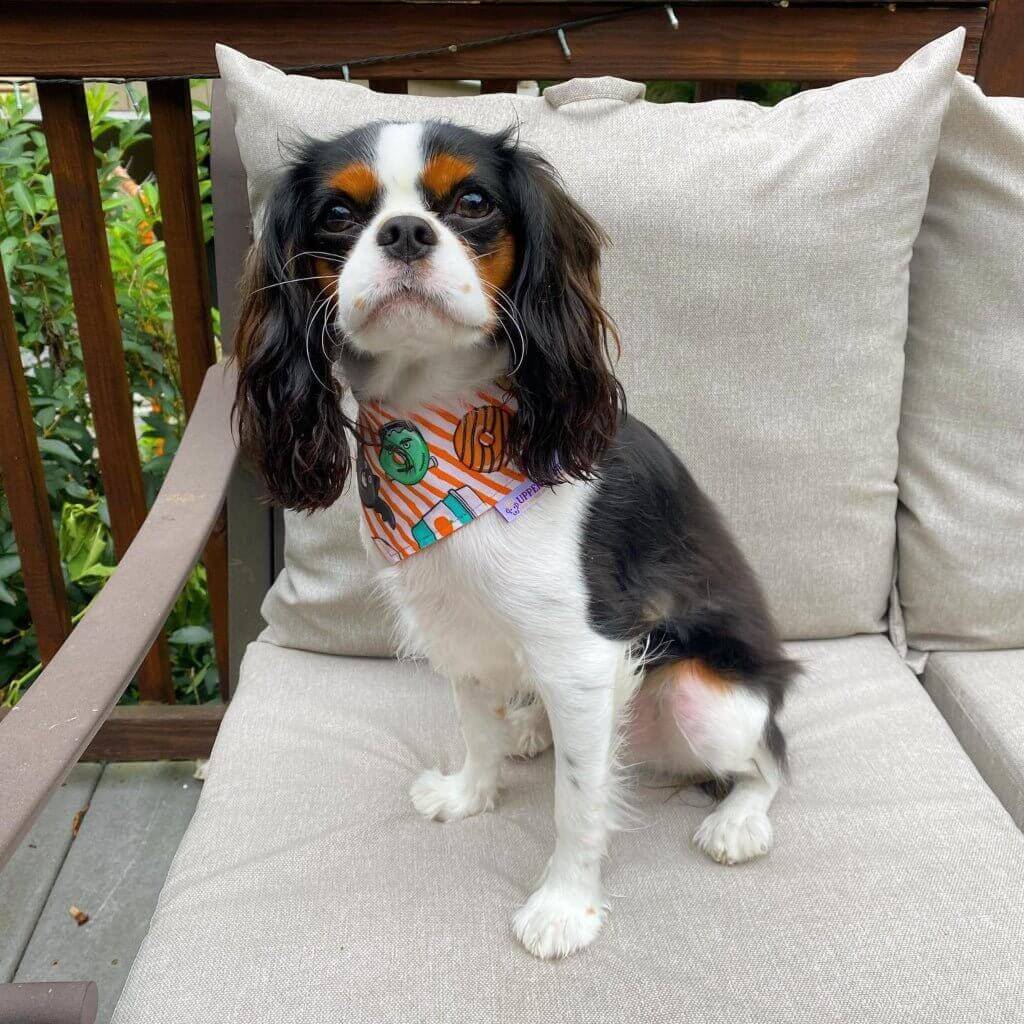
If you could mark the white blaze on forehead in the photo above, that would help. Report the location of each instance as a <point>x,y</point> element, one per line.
<point>399,164</point>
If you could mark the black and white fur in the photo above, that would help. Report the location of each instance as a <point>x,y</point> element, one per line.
<point>618,598</point>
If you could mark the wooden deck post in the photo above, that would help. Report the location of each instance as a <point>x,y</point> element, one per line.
<point>73,163</point>
<point>170,108</point>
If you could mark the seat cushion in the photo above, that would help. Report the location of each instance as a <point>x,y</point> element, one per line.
<point>961,475</point>
<point>307,889</point>
<point>758,272</point>
<point>981,694</point>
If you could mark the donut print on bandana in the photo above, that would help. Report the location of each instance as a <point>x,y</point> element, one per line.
<point>428,471</point>
<point>479,439</point>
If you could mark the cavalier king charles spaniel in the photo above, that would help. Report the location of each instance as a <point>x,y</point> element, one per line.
<point>448,280</point>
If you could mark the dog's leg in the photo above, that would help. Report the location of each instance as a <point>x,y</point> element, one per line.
<point>474,788</point>
<point>566,911</point>
<point>706,722</point>
<point>739,829</point>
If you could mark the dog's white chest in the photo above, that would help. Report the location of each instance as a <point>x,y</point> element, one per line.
<point>484,601</point>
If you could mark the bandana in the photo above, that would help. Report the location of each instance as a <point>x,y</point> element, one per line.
<point>429,471</point>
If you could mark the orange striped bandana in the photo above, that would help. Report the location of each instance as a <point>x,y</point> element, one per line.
<point>426,472</point>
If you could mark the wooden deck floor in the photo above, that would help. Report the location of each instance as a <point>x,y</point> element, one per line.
<point>113,870</point>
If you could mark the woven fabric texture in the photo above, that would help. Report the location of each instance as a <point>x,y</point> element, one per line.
<point>961,476</point>
<point>981,695</point>
<point>758,270</point>
<point>307,889</point>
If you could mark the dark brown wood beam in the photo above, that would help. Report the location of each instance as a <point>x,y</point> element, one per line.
<point>805,43</point>
<point>154,732</point>
<point>717,90</point>
<point>392,85</point>
<point>1001,63</point>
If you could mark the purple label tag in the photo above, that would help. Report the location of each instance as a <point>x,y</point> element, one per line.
<point>511,507</point>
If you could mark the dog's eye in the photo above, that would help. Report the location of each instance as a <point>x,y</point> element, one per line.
<point>337,218</point>
<point>473,206</point>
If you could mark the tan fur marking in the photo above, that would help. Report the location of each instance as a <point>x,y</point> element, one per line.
<point>357,181</point>
<point>495,266</point>
<point>691,668</point>
<point>443,171</point>
<point>326,273</point>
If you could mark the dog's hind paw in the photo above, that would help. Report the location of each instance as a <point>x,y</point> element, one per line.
<point>529,730</point>
<point>732,838</point>
<point>451,797</point>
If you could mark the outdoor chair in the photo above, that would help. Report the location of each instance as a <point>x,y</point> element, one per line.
<point>210,506</point>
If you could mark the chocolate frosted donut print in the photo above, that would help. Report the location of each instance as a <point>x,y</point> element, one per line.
<point>480,438</point>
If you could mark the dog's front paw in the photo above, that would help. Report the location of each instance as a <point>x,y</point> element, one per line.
<point>451,797</point>
<point>555,922</point>
<point>732,838</point>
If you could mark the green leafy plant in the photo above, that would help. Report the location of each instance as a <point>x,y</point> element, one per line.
<point>34,263</point>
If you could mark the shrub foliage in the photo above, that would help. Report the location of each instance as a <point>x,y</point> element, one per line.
<point>36,269</point>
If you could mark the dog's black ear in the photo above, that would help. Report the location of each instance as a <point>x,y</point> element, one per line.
<point>288,405</point>
<point>568,395</point>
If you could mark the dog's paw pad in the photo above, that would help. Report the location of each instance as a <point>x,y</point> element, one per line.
<point>732,838</point>
<point>552,924</point>
<point>450,797</point>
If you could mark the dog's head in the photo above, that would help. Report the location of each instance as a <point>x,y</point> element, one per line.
<point>406,243</point>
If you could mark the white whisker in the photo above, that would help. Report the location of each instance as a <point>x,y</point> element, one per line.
<point>313,252</point>
<point>317,307</point>
<point>328,316</point>
<point>290,280</point>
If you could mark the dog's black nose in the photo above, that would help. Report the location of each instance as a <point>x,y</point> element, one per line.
<point>406,238</point>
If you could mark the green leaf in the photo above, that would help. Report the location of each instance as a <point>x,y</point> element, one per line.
<point>159,464</point>
<point>77,491</point>
<point>45,416</point>
<point>96,572</point>
<point>59,449</point>
<point>7,597</point>
<point>72,431</point>
<point>39,269</point>
<point>82,539</point>
<point>9,565</point>
<point>23,198</point>
<point>191,635</point>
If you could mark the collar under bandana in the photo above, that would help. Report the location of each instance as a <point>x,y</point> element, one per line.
<point>428,471</point>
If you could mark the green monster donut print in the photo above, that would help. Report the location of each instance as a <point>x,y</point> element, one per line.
<point>404,455</point>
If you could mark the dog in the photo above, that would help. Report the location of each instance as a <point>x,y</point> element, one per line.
<point>420,263</point>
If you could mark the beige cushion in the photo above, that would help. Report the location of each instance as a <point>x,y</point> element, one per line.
<point>981,693</point>
<point>758,271</point>
<point>307,889</point>
<point>961,479</point>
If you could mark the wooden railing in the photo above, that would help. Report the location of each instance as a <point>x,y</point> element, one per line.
<point>715,43</point>
<point>73,166</point>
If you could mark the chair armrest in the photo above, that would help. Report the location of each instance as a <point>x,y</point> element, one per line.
<point>43,736</point>
<point>49,1002</point>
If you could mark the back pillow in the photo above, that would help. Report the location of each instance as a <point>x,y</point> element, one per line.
<point>758,273</point>
<point>961,479</point>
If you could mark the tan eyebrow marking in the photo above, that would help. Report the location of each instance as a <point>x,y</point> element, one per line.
<point>356,180</point>
<point>443,171</point>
